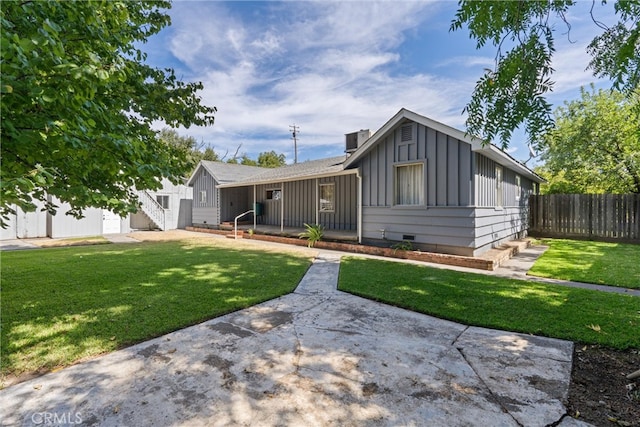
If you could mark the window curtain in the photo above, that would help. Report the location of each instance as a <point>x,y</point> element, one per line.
<point>410,185</point>
<point>327,197</point>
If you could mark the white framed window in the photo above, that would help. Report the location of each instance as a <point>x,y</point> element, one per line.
<point>409,184</point>
<point>518,188</point>
<point>499,198</point>
<point>275,194</point>
<point>327,197</point>
<point>163,200</point>
<point>203,197</point>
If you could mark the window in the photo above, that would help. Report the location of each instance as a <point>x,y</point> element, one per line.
<point>518,188</point>
<point>274,194</point>
<point>327,197</point>
<point>163,201</point>
<point>203,197</point>
<point>499,186</point>
<point>410,184</point>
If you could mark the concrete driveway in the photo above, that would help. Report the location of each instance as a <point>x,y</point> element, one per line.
<point>314,357</point>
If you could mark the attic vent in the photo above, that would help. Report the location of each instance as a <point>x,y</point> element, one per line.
<point>406,133</point>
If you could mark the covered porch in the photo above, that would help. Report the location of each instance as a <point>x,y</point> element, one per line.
<point>276,230</point>
<point>282,207</point>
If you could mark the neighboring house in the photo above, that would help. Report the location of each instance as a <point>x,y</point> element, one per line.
<point>170,205</point>
<point>414,180</point>
<point>165,209</point>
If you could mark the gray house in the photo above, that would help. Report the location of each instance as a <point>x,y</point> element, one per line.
<point>414,180</point>
<point>209,207</point>
<point>431,184</point>
<point>313,192</point>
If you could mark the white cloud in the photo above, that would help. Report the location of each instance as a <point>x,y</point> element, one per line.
<point>468,61</point>
<point>323,67</point>
<point>329,67</point>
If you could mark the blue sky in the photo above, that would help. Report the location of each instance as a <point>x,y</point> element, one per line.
<point>337,67</point>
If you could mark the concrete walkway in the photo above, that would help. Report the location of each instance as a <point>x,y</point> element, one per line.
<point>16,245</point>
<point>311,358</point>
<point>518,266</point>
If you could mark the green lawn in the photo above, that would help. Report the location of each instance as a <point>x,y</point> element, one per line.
<point>61,305</point>
<point>482,300</point>
<point>615,264</point>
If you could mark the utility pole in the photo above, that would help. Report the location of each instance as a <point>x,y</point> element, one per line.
<point>294,131</point>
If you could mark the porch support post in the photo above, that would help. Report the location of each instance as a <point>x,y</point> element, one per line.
<point>282,208</point>
<point>359,207</point>
<point>254,208</point>
<point>317,202</point>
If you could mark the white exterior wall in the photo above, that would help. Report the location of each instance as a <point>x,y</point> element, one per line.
<point>42,224</point>
<point>62,225</point>
<point>26,225</point>
<point>178,214</point>
<point>10,231</point>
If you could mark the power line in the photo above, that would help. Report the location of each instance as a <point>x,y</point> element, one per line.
<point>294,131</point>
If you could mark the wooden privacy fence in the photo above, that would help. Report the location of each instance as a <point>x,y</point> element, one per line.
<point>589,216</point>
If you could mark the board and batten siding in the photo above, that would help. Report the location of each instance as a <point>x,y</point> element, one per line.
<point>447,160</point>
<point>234,202</point>
<point>300,204</point>
<point>208,212</point>
<point>496,224</point>
<point>486,184</point>
<point>459,214</point>
<point>446,221</point>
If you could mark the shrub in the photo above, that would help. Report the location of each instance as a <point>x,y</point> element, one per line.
<point>313,234</point>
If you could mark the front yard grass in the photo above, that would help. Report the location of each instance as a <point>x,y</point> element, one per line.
<point>555,311</point>
<point>615,264</point>
<point>61,305</point>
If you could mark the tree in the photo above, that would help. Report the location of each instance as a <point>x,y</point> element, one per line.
<point>512,94</point>
<point>187,144</point>
<point>245,160</point>
<point>209,154</point>
<point>78,101</point>
<point>269,159</point>
<point>595,145</point>
<point>193,149</point>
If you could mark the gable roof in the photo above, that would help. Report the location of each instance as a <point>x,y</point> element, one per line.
<point>486,149</point>
<point>225,172</point>
<point>332,166</point>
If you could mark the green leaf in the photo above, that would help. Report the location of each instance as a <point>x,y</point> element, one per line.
<point>60,58</point>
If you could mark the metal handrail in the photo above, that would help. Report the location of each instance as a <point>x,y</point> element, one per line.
<point>235,223</point>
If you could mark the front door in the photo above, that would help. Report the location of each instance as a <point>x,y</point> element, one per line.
<point>110,222</point>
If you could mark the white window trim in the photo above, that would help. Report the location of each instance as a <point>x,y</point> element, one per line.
<point>499,187</point>
<point>167,198</point>
<point>203,197</point>
<point>273,191</point>
<point>423,196</point>
<point>518,188</point>
<point>333,194</point>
